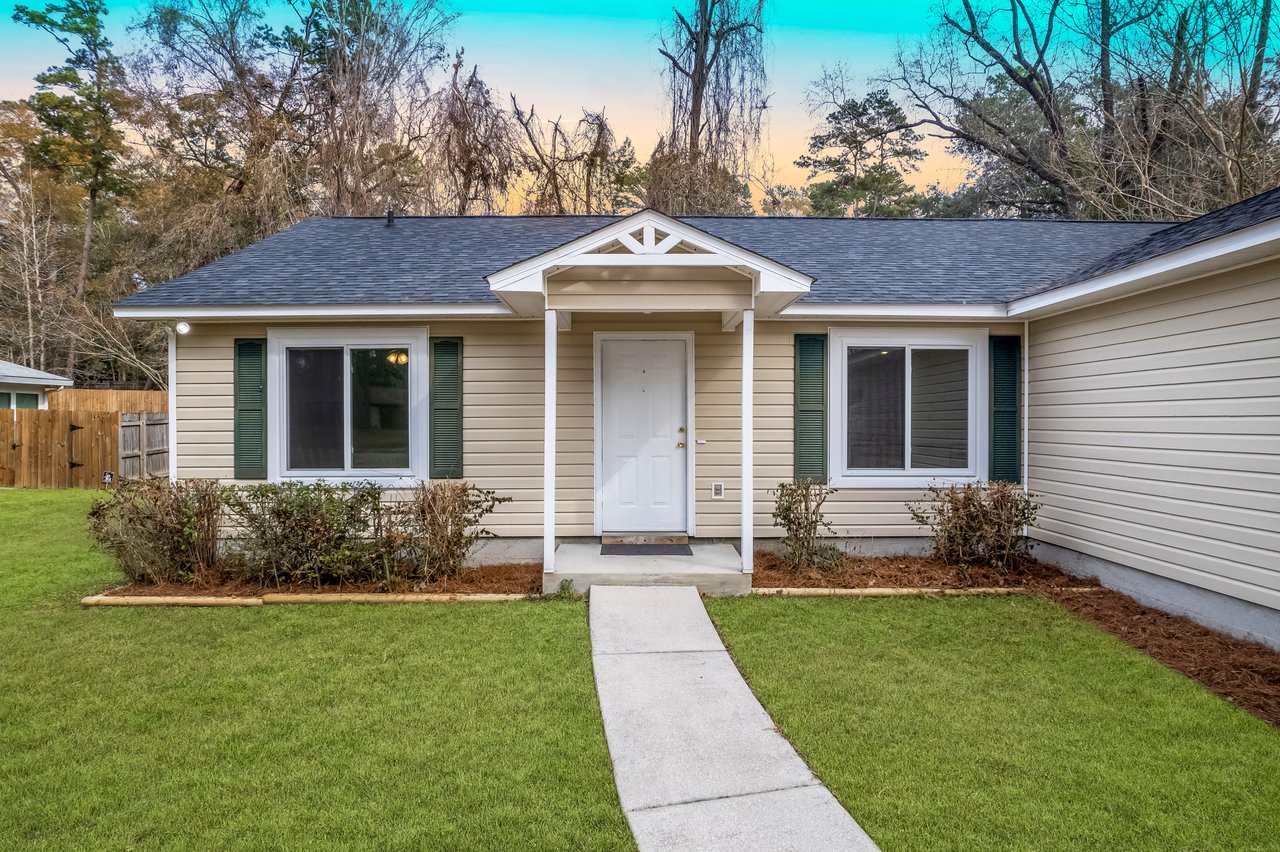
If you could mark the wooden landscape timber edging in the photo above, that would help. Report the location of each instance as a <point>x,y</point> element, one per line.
<point>873,592</point>
<point>279,598</point>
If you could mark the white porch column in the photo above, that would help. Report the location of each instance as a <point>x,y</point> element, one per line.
<point>173,408</point>
<point>550,327</point>
<point>748,439</point>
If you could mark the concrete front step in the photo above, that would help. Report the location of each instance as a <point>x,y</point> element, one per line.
<point>714,569</point>
<point>716,585</point>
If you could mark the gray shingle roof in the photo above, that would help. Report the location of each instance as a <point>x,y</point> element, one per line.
<point>1244,214</point>
<point>445,259</point>
<point>17,374</point>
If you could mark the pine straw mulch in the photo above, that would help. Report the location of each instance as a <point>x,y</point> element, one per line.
<point>508,578</point>
<point>1243,672</point>
<point>907,572</point>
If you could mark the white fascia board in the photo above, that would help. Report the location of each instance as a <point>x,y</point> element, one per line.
<point>879,311</point>
<point>1245,246</point>
<point>358,311</point>
<point>570,253</point>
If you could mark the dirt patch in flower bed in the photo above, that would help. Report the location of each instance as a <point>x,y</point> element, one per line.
<point>1247,673</point>
<point>907,572</point>
<point>511,578</point>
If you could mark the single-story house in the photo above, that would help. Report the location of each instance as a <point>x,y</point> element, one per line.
<point>26,387</point>
<point>651,374</point>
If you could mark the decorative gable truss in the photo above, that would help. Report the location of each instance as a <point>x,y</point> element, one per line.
<point>650,245</point>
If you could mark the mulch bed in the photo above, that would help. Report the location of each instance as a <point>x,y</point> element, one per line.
<point>1247,673</point>
<point>1243,672</point>
<point>907,572</point>
<point>513,578</point>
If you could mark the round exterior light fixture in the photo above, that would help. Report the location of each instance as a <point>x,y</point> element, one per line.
<point>182,327</point>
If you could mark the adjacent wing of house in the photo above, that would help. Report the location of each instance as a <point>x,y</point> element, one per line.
<point>659,375</point>
<point>27,387</point>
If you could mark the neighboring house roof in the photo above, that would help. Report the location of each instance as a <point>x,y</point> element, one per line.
<point>1245,214</point>
<point>444,260</point>
<point>16,374</point>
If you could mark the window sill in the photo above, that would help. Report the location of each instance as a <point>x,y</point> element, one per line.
<point>376,477</point>
<point>906,481</point>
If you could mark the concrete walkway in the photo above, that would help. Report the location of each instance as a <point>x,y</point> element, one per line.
<point>698,762</point>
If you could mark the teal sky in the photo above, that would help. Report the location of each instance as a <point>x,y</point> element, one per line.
<point>561,55</point>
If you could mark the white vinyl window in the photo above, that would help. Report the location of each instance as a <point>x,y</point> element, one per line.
<point>347,404</point>
<point>907,407</point>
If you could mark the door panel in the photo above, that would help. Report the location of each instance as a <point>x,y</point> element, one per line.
<point>643,409</point>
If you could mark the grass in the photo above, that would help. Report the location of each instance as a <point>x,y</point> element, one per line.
<point>341,726</point>
<point>1004,723</point>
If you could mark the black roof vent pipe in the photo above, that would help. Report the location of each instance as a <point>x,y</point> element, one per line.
<point>391,217</point>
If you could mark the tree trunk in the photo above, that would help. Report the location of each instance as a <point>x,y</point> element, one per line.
<point>1259,56</point>
<point>1108,85</point>
<point>82,275</point>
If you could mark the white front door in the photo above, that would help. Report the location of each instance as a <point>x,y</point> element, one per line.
<point>644,436</point>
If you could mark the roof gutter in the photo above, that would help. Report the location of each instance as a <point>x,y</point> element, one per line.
<point>1238,248</point>
<point>354,311</point>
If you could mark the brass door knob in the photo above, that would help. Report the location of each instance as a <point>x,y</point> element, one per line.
<point>680,445</point>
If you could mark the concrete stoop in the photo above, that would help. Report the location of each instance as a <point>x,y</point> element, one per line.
<point>713,569</point>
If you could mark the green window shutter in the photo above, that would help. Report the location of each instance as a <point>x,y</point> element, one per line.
<point>810,435</point>
<point>445,397</point>
<point>250,409</point>
<point>1006,409</point>
<point>27,400</point>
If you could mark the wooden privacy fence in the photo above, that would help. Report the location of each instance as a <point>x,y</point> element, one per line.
<point>90,399</point>
<point>75,449</point>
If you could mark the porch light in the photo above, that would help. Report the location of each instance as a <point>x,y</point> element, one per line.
<point>182,327</point>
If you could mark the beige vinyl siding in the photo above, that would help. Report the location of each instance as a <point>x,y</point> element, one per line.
<point>1155,431</point>
<point>502,408</point>
<point>502,418</point>
<point>854,512</point>
<point>718,418</point>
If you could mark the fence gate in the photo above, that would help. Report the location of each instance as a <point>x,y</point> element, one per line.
<point>144,445</point>
<point>74,449</point>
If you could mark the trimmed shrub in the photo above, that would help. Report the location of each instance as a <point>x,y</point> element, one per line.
<point>797,509</point>
<point>977,523</point>
<point>437,524</point>
<point>161,531</point>
<point>308,533</point>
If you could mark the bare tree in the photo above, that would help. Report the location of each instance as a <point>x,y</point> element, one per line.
<point>569,170</point>
<point>716,80</point>
<point>472,147</point>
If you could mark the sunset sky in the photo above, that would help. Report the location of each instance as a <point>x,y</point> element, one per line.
<point>561,55</point>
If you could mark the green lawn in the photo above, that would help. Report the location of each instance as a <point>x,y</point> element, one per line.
<point>342,726</point>
<point>1004,723</point>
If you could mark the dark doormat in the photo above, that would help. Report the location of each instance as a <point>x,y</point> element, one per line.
<point>645,550</point>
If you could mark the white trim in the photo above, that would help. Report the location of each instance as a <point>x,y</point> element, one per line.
<point>351,311</point>
<point>1026,406</point>
<point>887,310</point>
<point>748,440</point>
<point>597,391</point>
<point>415,339</point>
<point>1254,243</point>
<point>975,340</point>
<point>173,405</point>
<point>577,252</point>
<point>550,330</point>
